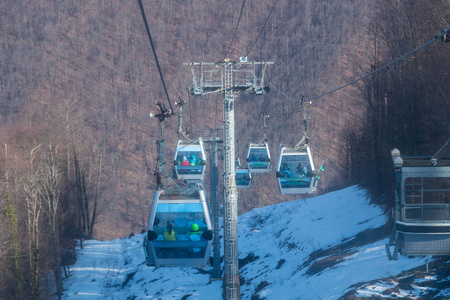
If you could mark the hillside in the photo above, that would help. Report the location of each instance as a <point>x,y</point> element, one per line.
<point>325,247</point>
<point>89,66</point>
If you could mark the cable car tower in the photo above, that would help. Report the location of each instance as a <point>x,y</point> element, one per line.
<point>422,206</point>
<point>229,78</point>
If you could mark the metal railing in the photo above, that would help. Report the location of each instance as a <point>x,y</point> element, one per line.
<point>426,212</point>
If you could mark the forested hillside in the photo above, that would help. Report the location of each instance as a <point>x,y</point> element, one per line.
<point>78,81</point>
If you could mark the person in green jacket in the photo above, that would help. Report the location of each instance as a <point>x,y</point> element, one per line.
<point>195,235</point>
<point>195,230</point>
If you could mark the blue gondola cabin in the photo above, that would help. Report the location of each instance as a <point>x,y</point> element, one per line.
<point>190,160</point>
<point>295,171</point>
<point>258,158</point>
<point>179,231</point>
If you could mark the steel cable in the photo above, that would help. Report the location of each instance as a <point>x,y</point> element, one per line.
<point>369,74</point>
<point>154,54</point>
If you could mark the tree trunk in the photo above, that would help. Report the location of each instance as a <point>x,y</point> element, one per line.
<point>94,211</point>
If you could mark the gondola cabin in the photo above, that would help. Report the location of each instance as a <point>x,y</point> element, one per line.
<point>422,211</point>
<point>190,160</point>
<point>258,158</point>
<point>179,232</point>
<point>243,178</point>
<point>295,171</point>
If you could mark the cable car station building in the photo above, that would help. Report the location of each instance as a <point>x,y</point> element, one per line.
<point>422,208</point>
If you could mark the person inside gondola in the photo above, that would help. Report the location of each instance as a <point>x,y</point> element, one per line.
<point>195,235</point>
<point>286,170</point>
<point>184,161</point>
<point>193,160</point>
<point>301,169</point>
<point>169,233</point>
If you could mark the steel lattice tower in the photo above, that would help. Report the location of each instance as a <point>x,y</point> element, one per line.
<point>229,77</point>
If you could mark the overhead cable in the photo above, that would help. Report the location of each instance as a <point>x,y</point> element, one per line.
<point>235,31</point>
<point>262,29</point>
<point>371,73</point>
<point>154,54</point>
<point>273,87</point>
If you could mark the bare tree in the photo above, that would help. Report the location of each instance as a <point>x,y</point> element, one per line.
<point>52,189</point>
<point>10,251</point>
<point>11,275</point>
<point>32,188</point>
<point>87,186</point>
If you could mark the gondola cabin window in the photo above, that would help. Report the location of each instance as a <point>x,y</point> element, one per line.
<point>296,171</point>
<point>258,158</point>
<point>427,199</point>
<point>189,162</point>
<point>183,219</point>
<point>243,178</point>
<point>258,154</point>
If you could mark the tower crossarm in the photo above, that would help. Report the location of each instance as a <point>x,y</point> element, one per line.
<point>248,77</point>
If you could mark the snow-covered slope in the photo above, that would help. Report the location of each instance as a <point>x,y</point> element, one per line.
<point>318,248</point>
